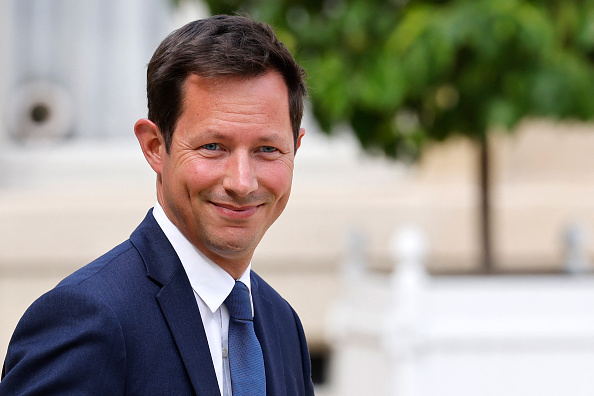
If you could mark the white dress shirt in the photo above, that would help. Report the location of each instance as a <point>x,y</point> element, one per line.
<point>211,285</point>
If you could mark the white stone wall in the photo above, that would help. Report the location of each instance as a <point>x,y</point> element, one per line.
<point>84,61</point>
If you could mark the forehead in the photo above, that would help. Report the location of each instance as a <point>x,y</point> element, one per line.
<point>264,97</point>
<point>219,85</point>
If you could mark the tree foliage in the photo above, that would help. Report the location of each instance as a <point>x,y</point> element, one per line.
<point>402,73</point>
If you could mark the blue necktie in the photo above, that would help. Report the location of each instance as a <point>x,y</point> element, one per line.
<point>245,355</point>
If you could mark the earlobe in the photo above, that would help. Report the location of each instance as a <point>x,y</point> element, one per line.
<point>151,142</point>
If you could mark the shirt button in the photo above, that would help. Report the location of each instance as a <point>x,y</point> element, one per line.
<point>225,352</point>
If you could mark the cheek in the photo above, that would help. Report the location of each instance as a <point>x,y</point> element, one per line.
<point>197,175</point>
<point>277,179</point>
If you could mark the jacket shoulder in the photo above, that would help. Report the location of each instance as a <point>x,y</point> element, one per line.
<point>46,337</point>
<point>124,252</point>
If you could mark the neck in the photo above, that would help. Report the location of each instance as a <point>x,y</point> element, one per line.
<point>233,267</point>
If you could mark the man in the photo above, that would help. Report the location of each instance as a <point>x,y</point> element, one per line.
<point>155,316</point>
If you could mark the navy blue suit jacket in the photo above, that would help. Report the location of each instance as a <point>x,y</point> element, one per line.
<point>128,324</point>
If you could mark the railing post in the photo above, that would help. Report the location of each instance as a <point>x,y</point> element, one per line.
<point>576,249</point>
<point>404,328</point>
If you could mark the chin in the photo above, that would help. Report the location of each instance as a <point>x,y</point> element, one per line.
<point>233,249</point>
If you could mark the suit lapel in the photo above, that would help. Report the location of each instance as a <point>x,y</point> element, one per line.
<point>177,303</point>
<point>179,307</point>
<point>267,333</point>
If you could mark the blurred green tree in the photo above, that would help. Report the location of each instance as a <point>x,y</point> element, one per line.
<point>402,73</point>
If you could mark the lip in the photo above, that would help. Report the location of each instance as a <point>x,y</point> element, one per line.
<point>236,212</point>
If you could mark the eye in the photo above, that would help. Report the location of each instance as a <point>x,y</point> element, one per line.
<point>211,146</point>
<point>268,149</point>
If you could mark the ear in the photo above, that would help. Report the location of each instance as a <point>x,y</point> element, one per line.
<point>301,133</point>
<point>151,142</point>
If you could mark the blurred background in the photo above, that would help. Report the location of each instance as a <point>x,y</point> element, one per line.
<point>438,238</point>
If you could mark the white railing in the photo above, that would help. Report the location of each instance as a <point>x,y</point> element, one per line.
<point>410,334</point>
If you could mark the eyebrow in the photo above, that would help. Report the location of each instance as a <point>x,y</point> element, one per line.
<point>272,137</point>
<point>214,135</point>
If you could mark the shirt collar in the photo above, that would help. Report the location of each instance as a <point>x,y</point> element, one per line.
<point>212,283</point>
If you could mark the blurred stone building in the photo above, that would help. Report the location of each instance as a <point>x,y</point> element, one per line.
<point>74,183</point>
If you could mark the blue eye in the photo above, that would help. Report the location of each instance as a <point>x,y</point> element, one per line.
<point>268,149</point>
<point>211,146</point>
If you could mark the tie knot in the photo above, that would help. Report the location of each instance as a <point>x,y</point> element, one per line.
<point>238,302</point>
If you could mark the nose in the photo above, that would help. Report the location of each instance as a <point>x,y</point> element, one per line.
<point>240,176</point>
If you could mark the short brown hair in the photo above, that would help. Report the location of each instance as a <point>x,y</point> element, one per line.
<point>219,46</point>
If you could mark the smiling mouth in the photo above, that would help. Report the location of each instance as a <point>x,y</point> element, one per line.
<point>235,208</point>
<point>235,212</point>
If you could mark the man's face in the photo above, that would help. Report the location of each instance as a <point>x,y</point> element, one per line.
<point>228,174</point>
